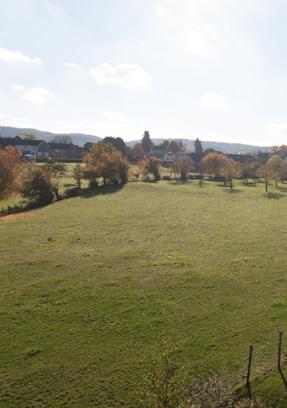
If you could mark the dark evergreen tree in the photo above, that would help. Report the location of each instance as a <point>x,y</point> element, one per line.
<point>174,147</point>
<point>147,143</point>
<point>198,147</point>
<point>198,150</point>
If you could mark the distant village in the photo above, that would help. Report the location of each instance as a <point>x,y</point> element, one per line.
<point>62,149</point>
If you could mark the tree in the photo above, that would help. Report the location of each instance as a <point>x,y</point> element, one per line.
<point>182,166</point>
<point>162,146</point>
<point>174,147</point>
<point>138,152</point>
<point>280,150</point>
<point>65,139</point>
<point>230,169</point>
<point>118,143</point>
<point>151,165</point>
<point>275,168</point>
<point>106,162</point>
<point>11,166</point>
<point>37,185</point>
<point>248,170</point>
<point>198,150</point>
<point>147,143</point>
<point>219,165</point>
<point>55,171</point>
<point>78,174</point>
<point>212,164</point>
<point>264,173</point>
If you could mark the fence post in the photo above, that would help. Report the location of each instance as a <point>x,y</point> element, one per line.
<point>279,351</point>
<point>249,365</point>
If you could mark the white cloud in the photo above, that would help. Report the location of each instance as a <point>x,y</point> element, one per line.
<point>279,127</point>
<point>37,95</point>
<point>111,115</point>
<point>212,100</point>
<point>205,28</point>
<point>184,25</point>
<point>17,88</point>
<point>54,9</point>
<point>124,75</point>
<point>17,57</point>
<point>71,65</point>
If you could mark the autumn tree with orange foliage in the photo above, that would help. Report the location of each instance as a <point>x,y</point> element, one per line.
<point>277,169</point>
<point>212,163</point>
<point>150,165</point>
<point>107,163</point>
<point>138,152</point>
<point>10,170</point>
<point>219,165</point>
<point>182,166</point>
<point>263,172</point>
<point>280,150</point>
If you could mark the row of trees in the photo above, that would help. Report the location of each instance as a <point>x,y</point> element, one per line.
<point>219,166</point>
<point>105,163</point>
<point>40,182</point>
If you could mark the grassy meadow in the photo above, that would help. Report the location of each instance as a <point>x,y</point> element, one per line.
<point>90,284</point>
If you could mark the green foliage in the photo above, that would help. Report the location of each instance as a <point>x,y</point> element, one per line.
<point>78,175</point>
<point>164,384</point>
<point>37,185</point>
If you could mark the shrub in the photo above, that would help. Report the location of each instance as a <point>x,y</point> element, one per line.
<point>78,174</point>
<point>151,166</point>
<point>37,186</point>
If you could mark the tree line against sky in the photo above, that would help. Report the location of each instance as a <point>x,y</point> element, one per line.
<point>108,161</point>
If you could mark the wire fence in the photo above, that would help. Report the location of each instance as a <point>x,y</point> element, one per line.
<point>260,361</point>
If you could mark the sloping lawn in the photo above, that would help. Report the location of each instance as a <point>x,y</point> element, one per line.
<point>88,285</point>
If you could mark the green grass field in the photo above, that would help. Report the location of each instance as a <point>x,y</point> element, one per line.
<point>89,284</point>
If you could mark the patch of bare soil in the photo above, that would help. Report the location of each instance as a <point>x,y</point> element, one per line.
<point>18,216</point>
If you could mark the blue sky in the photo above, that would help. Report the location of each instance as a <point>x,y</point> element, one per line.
<point>213,69</point>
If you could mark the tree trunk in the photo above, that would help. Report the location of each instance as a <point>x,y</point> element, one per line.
<point>56,191</point>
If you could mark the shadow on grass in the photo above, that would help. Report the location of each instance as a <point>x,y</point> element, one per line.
<point>93,192</point>
<point>179,182</point>
<point>249,184</point>
<point>233,191</point>
<point>283,377</point>
<point>274,196</point>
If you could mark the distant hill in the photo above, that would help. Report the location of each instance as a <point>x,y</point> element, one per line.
<point>224,147</point>
<point>80,139</point>
<point>77,138</point>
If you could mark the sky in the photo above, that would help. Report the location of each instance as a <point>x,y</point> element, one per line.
<point>213,69</point>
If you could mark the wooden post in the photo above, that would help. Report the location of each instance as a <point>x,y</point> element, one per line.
<point>249,366</point>
<point>279,351</point>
